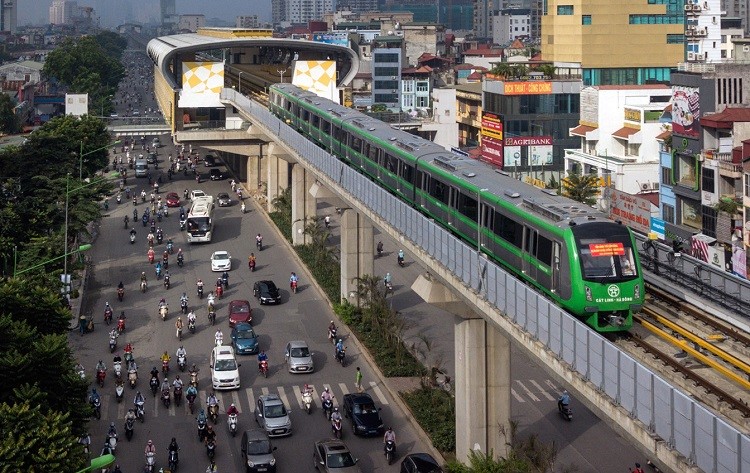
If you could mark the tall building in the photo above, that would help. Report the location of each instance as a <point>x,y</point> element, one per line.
<point>357,6</point>
<point>615,43</point>
<point>304,11</point>
<point>739,9</point>
<point>387,61</point>
<point>483,18</point>
<point>703,30</point>
<point>8,20</point>
<point>278,12</point>
<point>247,21</point>
<point>168,12</point>
<point>62,12</point>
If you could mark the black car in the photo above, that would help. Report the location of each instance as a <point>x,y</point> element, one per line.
<point>266,292</point>
<point>420,463</point>
<point>360,408</point>
<point>216,174</point>
<point>151,158</point>
<point>209,161</point>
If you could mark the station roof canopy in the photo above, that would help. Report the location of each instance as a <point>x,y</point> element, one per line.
<point>164,49</point>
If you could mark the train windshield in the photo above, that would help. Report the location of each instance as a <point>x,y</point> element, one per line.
<point>606,252</point>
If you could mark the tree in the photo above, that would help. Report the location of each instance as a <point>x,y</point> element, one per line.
<point>36,440</point>
<point>8,120</point>
<point>583,188</point>
<point>35,305</point>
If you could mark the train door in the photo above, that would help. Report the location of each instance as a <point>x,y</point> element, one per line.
<point>529,253</point>
<point>556,250</point>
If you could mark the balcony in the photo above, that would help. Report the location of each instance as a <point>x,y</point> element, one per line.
<point>727,167</point>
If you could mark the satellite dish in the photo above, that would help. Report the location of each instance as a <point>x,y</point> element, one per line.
<point>390,33</point>
<point>398,25</point>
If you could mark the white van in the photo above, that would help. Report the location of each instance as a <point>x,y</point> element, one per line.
<point>225,372</point>
<point>141,168</point>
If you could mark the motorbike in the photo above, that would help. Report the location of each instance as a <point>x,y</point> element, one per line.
<point>172,460</point>
<point>100,375</point>
<point>132,238</point>
<point>112,441</point>
<point>129,424</point>
<point>108,316</point>
<point>341,356</point>
<point>150,257</point>
<point>194,378</point>
<point>180,260</point>
<point>128,355</point>
<point>336,428</point>
<point>144,285</point>
<point>163,312</point>
<point>212,317</point>
<point>165,367</point>
<point>132,378</point>
<point>225,281</point>
<point>390,451</point>
<point>184,306</point>
<point>119,201</point>
<point>158,272</point>
<point>232,423</point>
<point>388,287</point>
<point>120,293</point>
<point>166,398</point>
<point>170,248</point>
<point>181,362</point>
<point>119,391</point>
<point>200,292</point>
<point>96,403</point>
<point>259,244</point>
<point>191,401</point>
<point>219,291</point>
<point>565,411</point>
<point>144,219</point>
<point>332,334</point>
<point>117,368</point>
<point>177,395</point>
<point>150,462</point>
<point>251,264</point>
<point>183,222</point>
<point>112,341</point>
<point>201,427</point>
<point>154,384</point>
<point>293,286</point>
<point>327,408</point>
<point>135,202</point>
<point>121,325</point>
<point>213,413</point>
<point>211,449</point>
<point>263,368</point>
<point>191,325</point>
<point>166,282</point>
<point>380,249</point>
<point>307,401</point>
<point>400,260</point>
<point>140,412</point>
<point>159,237</point>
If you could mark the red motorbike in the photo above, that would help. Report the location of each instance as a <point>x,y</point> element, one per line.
<point>151,256</point>
<point>293,286</point>
<point>165,366</point>
<point>100,375</point>
<point>263,369</point>
<point>108,316</point>
<point>120,293</point>
<point>121,325</point>
<point>219,291</point>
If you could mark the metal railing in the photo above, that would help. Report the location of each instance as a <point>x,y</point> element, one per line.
<point>684,424</point>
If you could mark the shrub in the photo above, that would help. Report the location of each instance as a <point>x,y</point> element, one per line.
<point>435,411</point>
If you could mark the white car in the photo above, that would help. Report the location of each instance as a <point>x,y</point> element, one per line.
<point>194,194</point>
<point>225,372</point>
<point>221,261</point>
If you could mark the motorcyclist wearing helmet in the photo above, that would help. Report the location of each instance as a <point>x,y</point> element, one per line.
<point>327,395</point>
<point>336,415</point>
<point>232,410</point>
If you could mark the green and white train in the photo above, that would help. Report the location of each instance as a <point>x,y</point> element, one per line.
<point>571,252</point>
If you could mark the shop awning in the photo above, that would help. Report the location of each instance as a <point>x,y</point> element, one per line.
<point>582,131</point>
<point>626,133</point>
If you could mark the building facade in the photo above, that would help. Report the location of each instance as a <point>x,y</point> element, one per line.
<point>62,12</point>
<point>9,16</point>
<point>607,40</point>
<point>247,21</point>
<point>304,11</point>
<point>511,24</point>
<point>191,22</point>
<point>703,30</point>
<point>387,62</point>
<point>738,9</point>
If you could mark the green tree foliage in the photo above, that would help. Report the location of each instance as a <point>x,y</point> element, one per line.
<point>583,188</point>
<point>8,120</point>
<point>35,305</point>
<point>35,440</point>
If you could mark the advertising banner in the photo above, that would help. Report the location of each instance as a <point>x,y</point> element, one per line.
<point>76,104</point>
<point>633,210</point>
<point>512,155</point>
<point>492,126</point>
<point>492,151</point>
<point>527,88</point>
<point>685,111</point>
<point>528,140</point>
<point>339,38</point>
<point>201,84</point>
<point>318,77</point>
<point>540,155</point>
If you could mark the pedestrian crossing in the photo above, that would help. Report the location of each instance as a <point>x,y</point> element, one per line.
<point>244,399</point>
<point>530,389</point>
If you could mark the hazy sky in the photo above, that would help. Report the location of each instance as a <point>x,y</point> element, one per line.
<point>114,12</point>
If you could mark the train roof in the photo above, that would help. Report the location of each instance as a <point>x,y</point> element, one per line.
<point>545,203</point>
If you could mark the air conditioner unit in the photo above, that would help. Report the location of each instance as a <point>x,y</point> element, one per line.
<point>702,32</point>
<point>700,56</point>
<point>646,186</point>
<point>690,31</point>
<point>746,49</point>
<point>691,56</point>
<point>688,7</point>
<point>696,8</point>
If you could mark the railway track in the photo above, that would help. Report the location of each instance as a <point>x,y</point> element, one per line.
<point>712,354</point>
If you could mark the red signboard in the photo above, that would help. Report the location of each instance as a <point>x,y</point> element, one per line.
<point>492,126</point>
<point>528,140</point>
<point>606,249</point>
<point>492,151</point>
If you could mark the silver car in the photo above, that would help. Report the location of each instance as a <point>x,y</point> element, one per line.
<point>257,451</point>
<point>272,415</point>
<point>298,357</point>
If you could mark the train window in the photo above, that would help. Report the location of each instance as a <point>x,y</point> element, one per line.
<point>325,126</point>
<point>507,229</point>
<point>467,205</point>
<point>391,163</point>
<point>288,106</point>
<point>423,180</point>
<point>315,121</point>
<point>337,134</point>
<point>530,241</point>
<point>407,173</point>
<point>439,190</point>
<point>544,250</point>
<point>373,152</point>
<point>356,144</point>
<point>305,115</point>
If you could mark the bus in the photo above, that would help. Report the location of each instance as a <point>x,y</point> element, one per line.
<point>200,222</point>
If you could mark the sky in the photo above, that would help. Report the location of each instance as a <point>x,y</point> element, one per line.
<point>113,12</point>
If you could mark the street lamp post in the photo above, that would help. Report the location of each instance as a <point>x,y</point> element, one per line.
<point>281,74</point>
<point>81,155</point>
<point>81,248</point>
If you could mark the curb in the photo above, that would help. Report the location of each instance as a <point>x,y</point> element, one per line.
<point>395,394</point>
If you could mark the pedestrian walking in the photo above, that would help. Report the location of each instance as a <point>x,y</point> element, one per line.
<point>358,380</point>
<point>82,322</point>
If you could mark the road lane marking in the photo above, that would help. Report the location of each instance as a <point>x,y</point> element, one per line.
<point>316,396</point>
<point>515,395</point>
<point>298,395</point>
<point>282,395</point>
<point>527,391</point>
<point>236,401</point>
<point>542,390</point>
<point>553,386</point>
<point>343,388</point>
<point>121,408</point>
<point>264,391</point>
<point>250,398</point>
<point>378,393</point>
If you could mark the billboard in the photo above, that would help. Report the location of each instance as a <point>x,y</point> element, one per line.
<point>318,77</point>
<point>335,37</point>
<point>633,210</point>
<point>527,88</point>
<point>76,104</point>
<point>538,150</point>
<point>492,151</point>
<point>685,111</point>
<point>492,126</point>
<point>201,84</point>
<point>540,155</point>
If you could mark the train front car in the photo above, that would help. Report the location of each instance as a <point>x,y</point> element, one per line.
<point>606,278</point>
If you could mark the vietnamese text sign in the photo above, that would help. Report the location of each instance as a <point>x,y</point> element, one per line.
<point>607,249</point>
<point>492,126</point>
<point>527,88</point>
<point>492,151</point>
<point>633,210</point>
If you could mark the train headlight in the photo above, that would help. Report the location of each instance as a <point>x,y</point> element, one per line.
<point>637,291</point>
<point>589,297</point>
